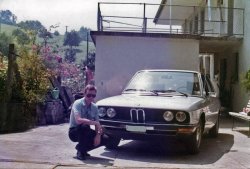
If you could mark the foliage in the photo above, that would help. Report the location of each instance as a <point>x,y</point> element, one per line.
<point>72,39</point>
<point>31,76</point>
<point>70,55</point>
<point>246,81</point>
<point>21,37</point>
<point>34,77</point>
<point>30,85</point>
<point>56,33</point>
<point>8,29</point>
<point>3,75</point>
<point>49,57</point>
<point>83,32</point>
<point>90,61</point>
<point>7,17</point>
<point>31,25</point>
<point>70,73</point>
<point>45,34</point>
<point>5,40</point>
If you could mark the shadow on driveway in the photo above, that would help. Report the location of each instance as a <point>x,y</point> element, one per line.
<point>174,152</point>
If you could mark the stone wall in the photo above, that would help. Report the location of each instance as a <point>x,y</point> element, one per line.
<point>50,112</point>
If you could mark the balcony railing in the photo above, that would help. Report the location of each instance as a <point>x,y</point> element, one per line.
<point>175,19</point>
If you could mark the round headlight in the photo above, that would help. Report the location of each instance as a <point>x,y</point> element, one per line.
<point>180,116</point>
<point>111,112</point>
<point>101,112</point>
<point>168,116</point>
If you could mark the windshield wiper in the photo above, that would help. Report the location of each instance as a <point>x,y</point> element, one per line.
<point>185,94</point>
<point>141,90</point>
<point>169,91</point>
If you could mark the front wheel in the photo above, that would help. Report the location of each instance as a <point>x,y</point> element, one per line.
<point>112,142</point>
<point>213,132</point>
<point>194,142</point>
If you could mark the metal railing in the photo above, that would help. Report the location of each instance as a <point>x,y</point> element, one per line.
<point>146,18</point>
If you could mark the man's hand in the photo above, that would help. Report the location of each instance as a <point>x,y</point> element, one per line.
<point>97,140</point>
<point>98,128</point>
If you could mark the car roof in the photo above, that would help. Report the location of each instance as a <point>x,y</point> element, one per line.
<point>167,70</point>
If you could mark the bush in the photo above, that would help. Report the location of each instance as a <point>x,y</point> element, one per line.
<point>29,87</point>
<point>3,76</point>
<point>34,75</point>
<point>246,81</point>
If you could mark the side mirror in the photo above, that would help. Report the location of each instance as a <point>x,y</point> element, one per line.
<point>212,94</point>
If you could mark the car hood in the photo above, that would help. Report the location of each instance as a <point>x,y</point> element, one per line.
<point>158,102</point>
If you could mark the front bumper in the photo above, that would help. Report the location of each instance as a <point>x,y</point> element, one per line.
<point>141,131</point>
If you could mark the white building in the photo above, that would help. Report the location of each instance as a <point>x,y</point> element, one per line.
<point>206,35</point>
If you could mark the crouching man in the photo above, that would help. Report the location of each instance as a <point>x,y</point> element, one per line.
<point>84,113</point>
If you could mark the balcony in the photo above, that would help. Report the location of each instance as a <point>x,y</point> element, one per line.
<point>171,19</point>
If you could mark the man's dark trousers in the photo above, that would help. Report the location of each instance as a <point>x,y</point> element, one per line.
<point>85,136</point>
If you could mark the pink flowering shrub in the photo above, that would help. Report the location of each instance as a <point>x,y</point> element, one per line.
<point>70,74</point>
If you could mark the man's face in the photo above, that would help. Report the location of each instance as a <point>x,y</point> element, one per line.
<point>90,96</point>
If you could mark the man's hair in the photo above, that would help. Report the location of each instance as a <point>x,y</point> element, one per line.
<point>89,87</point>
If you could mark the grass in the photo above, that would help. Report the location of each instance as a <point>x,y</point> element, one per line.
<point>7,28</point>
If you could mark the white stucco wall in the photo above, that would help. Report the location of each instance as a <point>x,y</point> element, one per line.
<point>119,57</point>
<point>240,96</point>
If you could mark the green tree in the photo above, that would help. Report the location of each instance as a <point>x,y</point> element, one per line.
<point>56,33</point>
<point>45,34</point>
<point>83,32</point>
<point>5,40</point>
<point>7,17</point>
<point>70,55</point>
<point>31,25</point>
<point>34,75</point>
<point>90,61</point>
<point>21,37</point>
<point>72,39</point>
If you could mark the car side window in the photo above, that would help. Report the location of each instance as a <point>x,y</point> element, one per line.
<point>210,85</point>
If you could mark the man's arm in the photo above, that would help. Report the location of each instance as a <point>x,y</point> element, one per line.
<point>80,120</point>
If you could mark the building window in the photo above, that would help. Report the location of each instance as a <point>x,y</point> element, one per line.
<point>219,2</point>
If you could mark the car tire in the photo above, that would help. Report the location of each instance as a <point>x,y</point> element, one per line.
<point>193,145</point>
<point>112,142</point>
<point>214,131</point>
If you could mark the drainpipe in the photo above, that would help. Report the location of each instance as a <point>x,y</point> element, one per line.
<point>170,16</point>
<point>204,64</point>
<point>211,56</point>
<point>144,28</point>
<point>209,10</point>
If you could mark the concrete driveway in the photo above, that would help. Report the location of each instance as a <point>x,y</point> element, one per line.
<point>49,147</point>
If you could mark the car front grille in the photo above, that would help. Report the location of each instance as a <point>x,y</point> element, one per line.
<point>137,115</point>
<point>140,115</point>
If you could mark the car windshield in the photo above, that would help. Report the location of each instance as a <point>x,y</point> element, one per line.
<point>165,82</point>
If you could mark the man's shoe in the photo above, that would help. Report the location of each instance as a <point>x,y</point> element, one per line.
<point>80,156</point>
<point>87,154</point>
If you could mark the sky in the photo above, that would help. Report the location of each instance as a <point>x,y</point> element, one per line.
<point>71,13</point>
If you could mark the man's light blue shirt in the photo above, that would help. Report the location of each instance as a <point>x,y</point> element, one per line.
<point>80,108</point>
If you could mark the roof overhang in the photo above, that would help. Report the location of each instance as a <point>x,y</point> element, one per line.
<point>207,44</point>
<point>95,34</point>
